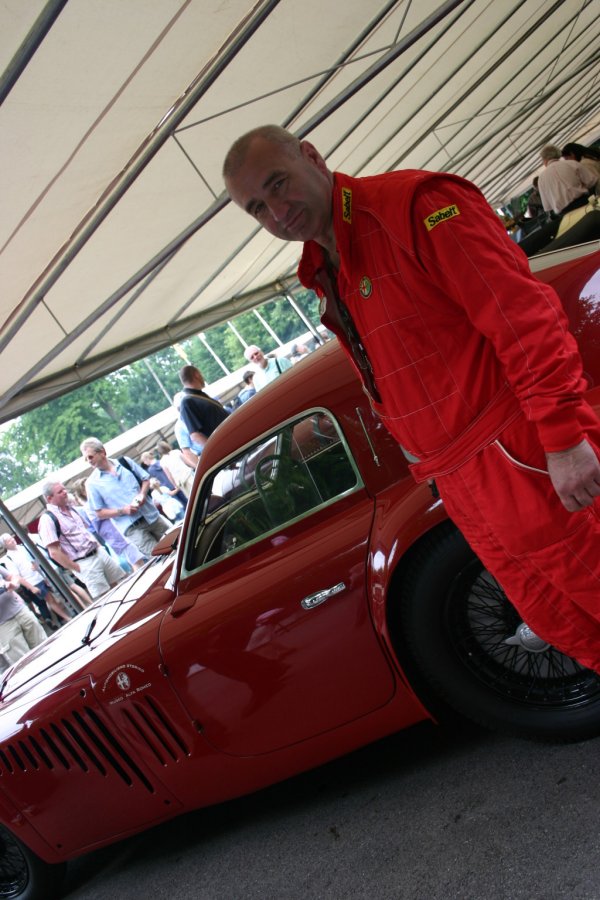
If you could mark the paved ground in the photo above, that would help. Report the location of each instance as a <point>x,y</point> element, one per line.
<point>423,815</point>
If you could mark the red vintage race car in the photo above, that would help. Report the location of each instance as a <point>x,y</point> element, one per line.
<point>315,600</point>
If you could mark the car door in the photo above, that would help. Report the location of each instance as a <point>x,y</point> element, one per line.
<point>270,640</point>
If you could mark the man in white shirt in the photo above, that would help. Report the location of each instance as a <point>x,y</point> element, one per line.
<point>20,631</point>
<point>565,183</point>
<point>18,562</point>
<point>267,369</point>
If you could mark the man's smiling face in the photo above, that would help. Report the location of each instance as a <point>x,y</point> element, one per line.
<point>286,188</point>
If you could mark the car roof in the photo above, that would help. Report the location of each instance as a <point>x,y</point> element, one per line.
<point>319,379</point>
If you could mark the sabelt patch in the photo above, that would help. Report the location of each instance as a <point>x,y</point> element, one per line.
<point>448,212</point>
<point>347,205</point>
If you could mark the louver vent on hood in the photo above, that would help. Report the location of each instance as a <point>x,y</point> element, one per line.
<point>80,740</point>
<point>156,731</point>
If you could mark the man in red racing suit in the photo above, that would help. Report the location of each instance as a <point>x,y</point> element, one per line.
<point>467,359</point>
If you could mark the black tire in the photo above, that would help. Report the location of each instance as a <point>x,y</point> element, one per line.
<point>24,875</point>
<point>454,620</point>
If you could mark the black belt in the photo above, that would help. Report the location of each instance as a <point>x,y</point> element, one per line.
<point>575,204</point>
<point>86,555</point>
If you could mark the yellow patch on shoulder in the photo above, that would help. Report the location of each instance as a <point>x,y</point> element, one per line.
<point>433,219</point>
<point>347,205</point>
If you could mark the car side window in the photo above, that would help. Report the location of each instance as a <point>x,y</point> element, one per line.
<point>302,467</point>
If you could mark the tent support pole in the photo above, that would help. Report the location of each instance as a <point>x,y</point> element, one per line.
<point>301,315</point>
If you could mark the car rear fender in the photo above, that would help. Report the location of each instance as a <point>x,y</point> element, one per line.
<point>403,514</point>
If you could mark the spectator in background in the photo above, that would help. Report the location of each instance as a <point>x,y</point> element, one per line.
<point>587,156</point>
<point>20,631</point>
<point>129,556</point>
<point>33,587</point>
<point>267,369</point>
<point>118,489</point>
<point>248,390</point>
<point>534,203</point>
<point>299,351</point>
<point>190,450</point>
<point>175,468</point>
<point>151,463</point>
<point>200,413</point>
<point>78,596</point>
<point>564,184</point>
<point>165,501</point>
<point>70,544</point>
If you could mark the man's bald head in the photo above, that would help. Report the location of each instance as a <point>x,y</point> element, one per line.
<point>274,134</point>
<point>283,183</point>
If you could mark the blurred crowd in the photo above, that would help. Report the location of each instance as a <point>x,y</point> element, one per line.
<point>569,180</point>
<point>105,526</point>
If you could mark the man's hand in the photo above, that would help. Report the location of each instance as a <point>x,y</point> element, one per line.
<point>191,458</point>
<point>575,475</point>
<point>198,438</point>
<point>141,495</point>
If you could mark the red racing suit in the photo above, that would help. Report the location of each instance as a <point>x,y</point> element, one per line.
<point>470,364</point>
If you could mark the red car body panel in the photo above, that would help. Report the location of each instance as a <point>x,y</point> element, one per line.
<point>180,690</point>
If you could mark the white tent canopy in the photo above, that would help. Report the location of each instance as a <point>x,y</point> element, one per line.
<point>115,236</point>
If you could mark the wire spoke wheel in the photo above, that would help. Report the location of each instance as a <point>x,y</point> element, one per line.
<point>14,870</point>
<point>467,649</point>
<point>479,619</point>
<point>24,875</point>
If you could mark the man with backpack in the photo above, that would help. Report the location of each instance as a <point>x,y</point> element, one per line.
<point>71,545</point>
<point>118,490</point>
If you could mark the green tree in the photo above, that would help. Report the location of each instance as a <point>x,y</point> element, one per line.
<point>16,474</point>
<point>48,437</point>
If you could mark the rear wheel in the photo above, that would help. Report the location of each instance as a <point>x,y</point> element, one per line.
<point>467,643</point>
<point>24,875</point>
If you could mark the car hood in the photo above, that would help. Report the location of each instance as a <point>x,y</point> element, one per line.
<point>69,648</point>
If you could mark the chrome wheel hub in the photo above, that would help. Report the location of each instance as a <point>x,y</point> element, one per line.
<point>527,639</point>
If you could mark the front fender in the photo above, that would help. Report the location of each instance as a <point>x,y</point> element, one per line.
<point>15,821</point>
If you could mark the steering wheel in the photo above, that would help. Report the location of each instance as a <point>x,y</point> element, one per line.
<point>261,479</point>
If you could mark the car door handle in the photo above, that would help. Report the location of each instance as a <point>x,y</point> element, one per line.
<point>321,596</point>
